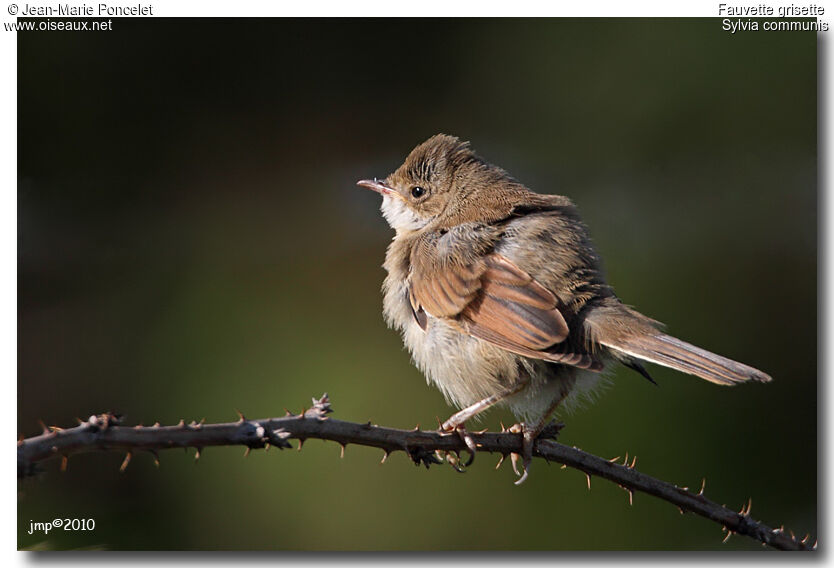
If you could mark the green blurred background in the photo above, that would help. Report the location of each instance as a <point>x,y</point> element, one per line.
<point>191,241</point>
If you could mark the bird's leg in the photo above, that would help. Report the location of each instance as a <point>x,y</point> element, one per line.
<point>457,420</point>
<point>529,435</point>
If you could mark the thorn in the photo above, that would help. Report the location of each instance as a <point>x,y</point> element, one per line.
<point>805,540</point>
<point>246,453</point>
<point>155,425</point>
<point>793,536</point>
<point>564,466</point>
<point>680,509</point>
<point>500,461</point>
<point>745,511</point>
<point>138,426</point>
<point>480,432</point>
<point>80,422</point>
<point>384,457</point>
<point>439,423</point>
<point>633,463</point>
<point>588,476</point>
<point>155,458</point>
<point>726,538</point>
<point>197,454</point>
<point>300,443</point>
<point>111,419</point>
<point>342,452</point>
<point>287,412</point>
<point>123,467</point>
<point>625,460</point>
<point>503,428</point>
<point>612,460</point>
<point>241,417</point>
<point>630,496</point>
<point>266,446</point>
<point>181,423</point>
<point>703,484</point>
<point>301,416</point>
<point>64,462</point>
<point>319,410</point>
<point>43,427</point>
<point>416,428</point>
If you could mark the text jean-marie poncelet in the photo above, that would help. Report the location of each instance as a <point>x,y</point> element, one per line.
<point>88,10</point>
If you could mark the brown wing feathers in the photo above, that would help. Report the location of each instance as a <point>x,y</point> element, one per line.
<point>446,292</point>
<point>498,302</point>
<point>516,307</point>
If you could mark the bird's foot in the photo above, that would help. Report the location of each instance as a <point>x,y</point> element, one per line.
<point>528,438</point>
<point>459,429</point>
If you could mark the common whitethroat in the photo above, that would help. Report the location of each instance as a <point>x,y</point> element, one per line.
<point>500,298</point>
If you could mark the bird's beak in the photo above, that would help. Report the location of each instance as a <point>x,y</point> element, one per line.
<point>377,186</point>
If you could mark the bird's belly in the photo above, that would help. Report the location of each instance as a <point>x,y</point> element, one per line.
<point>464,368</point>
<point>467,369</point>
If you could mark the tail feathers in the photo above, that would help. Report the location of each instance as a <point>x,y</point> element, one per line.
<point>676,354</point>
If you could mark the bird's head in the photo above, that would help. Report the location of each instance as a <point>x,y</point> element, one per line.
<point>442,183</point>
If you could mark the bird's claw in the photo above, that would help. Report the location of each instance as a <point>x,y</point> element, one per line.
<point>528,439</point>
<point>458,429</point>
<point>453,459</point>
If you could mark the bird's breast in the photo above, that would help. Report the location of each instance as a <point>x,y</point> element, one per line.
<point>463,367</point>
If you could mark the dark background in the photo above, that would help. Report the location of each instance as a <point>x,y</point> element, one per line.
<point>191,241</point>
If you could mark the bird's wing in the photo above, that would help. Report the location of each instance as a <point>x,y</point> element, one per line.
<point>498,302</point>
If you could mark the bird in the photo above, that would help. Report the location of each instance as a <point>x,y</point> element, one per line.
<point>500,296</point>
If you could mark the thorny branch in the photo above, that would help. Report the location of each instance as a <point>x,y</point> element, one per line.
<point>105,433</point>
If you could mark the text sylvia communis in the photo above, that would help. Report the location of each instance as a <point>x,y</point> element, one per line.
<point>499,294</point>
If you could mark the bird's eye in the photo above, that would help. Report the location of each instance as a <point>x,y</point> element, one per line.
<point>417,192</point>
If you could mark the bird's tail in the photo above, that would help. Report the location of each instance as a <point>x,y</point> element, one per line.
<point>632,335</point>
